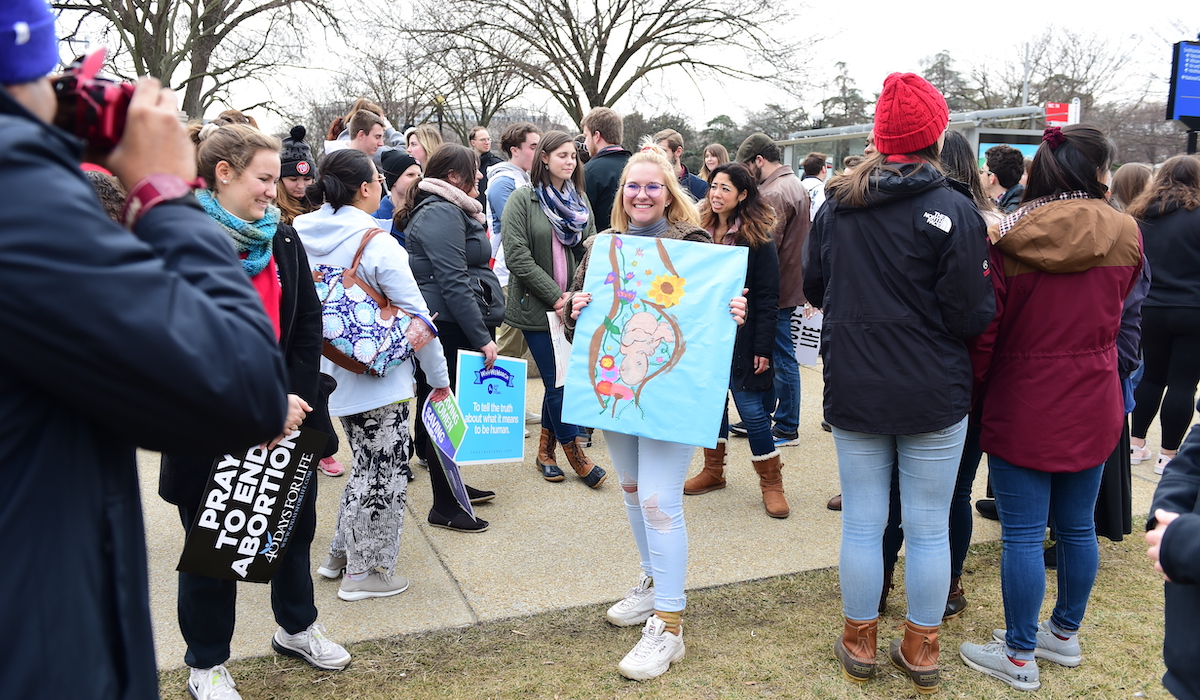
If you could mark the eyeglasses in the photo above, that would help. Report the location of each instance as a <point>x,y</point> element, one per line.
<point>653,190</point>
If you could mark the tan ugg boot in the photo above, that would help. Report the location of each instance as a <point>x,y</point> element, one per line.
<point>712,476</point>
<point>855,649</point>
<point>545,457</point>
<point>770,480</point>
<point>917,655</point>
<point>591,474</point>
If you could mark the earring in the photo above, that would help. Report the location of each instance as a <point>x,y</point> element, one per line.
<point>224,182</point>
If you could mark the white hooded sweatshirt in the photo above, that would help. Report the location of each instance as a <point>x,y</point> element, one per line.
<point>332,238</point>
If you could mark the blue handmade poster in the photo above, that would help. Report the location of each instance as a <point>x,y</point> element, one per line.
<point>652,351</point>
<point>493,406</point>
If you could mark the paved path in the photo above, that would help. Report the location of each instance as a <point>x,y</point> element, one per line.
<point>550,546</point>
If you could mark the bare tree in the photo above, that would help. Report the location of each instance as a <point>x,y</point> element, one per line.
<point>590,53</point>
<point>201,47</point>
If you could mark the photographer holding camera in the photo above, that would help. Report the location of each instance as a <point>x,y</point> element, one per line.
<point>113,339</point>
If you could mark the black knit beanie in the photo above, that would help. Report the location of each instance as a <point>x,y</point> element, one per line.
<point>296,157</point>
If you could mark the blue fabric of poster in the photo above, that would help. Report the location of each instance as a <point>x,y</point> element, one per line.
<point>652,351</point>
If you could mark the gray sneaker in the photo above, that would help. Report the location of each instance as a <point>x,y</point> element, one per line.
<point>1064,652</point>
<point>375,585</point>
<point>992,659</point>
<point>333,567</point>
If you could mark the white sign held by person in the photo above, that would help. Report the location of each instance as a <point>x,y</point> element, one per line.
<point>806,335</point>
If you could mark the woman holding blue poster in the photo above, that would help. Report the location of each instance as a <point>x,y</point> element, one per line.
<point>652,204</point>
<point>243,164</point>
<point>734,214</point>
<point>449,255</point>
<point>544,226</point>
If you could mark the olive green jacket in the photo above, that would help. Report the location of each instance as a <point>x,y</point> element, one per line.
<point>529,254</point>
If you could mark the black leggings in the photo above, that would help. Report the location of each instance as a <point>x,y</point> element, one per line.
<point>1171,348</point>
<point>453,339</point>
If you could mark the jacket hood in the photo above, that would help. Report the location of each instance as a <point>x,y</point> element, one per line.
<point>1071,235</point>
<point>887,186</point>
<point>324,229</point>
<point>507,168</point>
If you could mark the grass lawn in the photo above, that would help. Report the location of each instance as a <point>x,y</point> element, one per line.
<point>762,639</point>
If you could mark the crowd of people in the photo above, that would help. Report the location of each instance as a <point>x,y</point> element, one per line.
<point>1018,309</point>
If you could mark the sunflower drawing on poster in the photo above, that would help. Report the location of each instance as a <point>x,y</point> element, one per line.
<point>652,351</point>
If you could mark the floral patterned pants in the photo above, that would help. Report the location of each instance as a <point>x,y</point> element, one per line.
<point>372,510</point>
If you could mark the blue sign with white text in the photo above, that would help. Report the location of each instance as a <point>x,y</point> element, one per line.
<point>492,401</point>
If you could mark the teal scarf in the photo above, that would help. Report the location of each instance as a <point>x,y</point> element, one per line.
<point>253,239</point>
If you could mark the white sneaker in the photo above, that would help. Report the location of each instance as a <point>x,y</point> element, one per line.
<point>636,607</point>
<point>212,684</point>
<point>332,567</point>
<point>312,646</point>
<point>376,585</point>
<point>1137,455</point>
<point>531,417</point>
<point>654,653</point>
<point>1160,466</point>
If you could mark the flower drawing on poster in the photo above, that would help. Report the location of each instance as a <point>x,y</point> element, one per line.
<point>638,339</point>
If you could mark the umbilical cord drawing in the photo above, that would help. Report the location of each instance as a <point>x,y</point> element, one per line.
<point>638,339</point>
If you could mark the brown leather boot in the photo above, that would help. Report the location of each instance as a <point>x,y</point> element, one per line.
<point>712,476</point>
<point>917,655</point>
<point>855,649</point>
<point>545,457</point>
<point>770,480</point>
<point>956,601</point>
<point>591,474</point>
<point>835,503</point>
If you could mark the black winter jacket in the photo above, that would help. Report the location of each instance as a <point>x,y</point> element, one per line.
<point>1179,553</point>
<point>112,340</point>
<point>601,178</point>
<point>182,476</point>
<point>757,335</point>
<point>1171,237</point>
<point>449,254</point>
<point>902,282</point>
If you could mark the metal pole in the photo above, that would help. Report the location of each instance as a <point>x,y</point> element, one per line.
<point>1191,142</point>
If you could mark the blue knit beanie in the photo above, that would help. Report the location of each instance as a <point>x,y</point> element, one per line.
<point>28,45</point>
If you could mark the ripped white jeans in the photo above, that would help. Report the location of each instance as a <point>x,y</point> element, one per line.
<point>651,474</point>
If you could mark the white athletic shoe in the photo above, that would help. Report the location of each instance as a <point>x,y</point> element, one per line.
<point>636,607</point>
<point>312,646</point>
<point>654,653</point>
<point>212,684</point>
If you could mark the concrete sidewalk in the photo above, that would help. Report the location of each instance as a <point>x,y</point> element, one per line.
<point>550,545</point>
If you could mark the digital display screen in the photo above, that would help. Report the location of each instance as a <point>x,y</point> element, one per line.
<point>1184,100</point>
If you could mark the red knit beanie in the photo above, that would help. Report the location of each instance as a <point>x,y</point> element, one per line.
<point>910,114</point>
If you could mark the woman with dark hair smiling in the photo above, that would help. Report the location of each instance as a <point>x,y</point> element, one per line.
<point>734,214</point>
<point>449,254</point>
<point>544,226</point>
<point>1063,264</point>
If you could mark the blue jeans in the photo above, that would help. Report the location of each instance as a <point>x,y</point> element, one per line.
<point>787,375</point>
<point>755,409</point>
<point>928,465</point>
<point>651,473</point>
<point>1024,499</point>
<point>542,349</point>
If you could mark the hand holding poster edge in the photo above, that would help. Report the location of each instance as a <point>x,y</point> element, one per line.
<point>250,507</point>
<point>444,422</point>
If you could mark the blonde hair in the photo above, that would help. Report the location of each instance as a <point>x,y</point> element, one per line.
<point>236,144</point>
<point>428,137</point>
<point>679,209</point>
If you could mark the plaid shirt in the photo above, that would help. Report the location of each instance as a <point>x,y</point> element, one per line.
<point>1009,221</point>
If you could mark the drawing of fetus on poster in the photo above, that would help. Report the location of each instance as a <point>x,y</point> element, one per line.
<point>638,339</point>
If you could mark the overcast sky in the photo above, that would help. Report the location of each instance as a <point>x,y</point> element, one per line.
<point>874,39</point>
